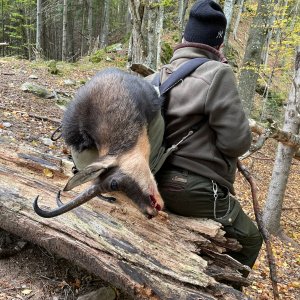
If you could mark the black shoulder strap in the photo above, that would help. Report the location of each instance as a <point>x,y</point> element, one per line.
<point>182,72</point>
<point>177,76</point>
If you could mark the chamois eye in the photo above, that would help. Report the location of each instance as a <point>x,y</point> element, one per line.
<point>114,185</point>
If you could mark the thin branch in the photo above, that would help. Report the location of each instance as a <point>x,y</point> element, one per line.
<point>31,115</point>
<point>262,158</point>
<point>274,132</point>
<point>287,138</point>
<point>290,208</point>
<point>262,229</point>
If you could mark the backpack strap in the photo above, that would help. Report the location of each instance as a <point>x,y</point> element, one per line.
<point>176,77</point>
<point>179,74</point>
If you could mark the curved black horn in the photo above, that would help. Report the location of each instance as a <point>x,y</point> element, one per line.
<point>82,198</point>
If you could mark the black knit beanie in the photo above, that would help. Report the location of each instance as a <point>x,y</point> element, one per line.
<point>206,24</point>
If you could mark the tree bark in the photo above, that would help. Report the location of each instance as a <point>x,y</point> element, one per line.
<point>269,37</point>
<point>147,20</point>
<point>64,31</point>
<point>238,17</point>
<point>182,7</point>
<point>155,12</point>
<point>105,24</point>
<point>90,25</point>
<point>2,28</point>
<point>273,206</point>
<point>28,35</point>
<point>38,29</point>
<point>168,257</point>
<point>82,31</point>
<point>137,45</point>
<point>71,51</point>
<point>285,137</point>
<point>252,58</point>
<point>228,11</point>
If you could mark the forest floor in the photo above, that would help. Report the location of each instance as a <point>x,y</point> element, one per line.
<point>36,274</point>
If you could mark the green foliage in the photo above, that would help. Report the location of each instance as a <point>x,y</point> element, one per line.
<point>274,99</point>
<point>232,55</point>
<point>98,56</point>
<point>17,23</point>
<point>82,81</point>
<point>275,105</point>
<point>112,53</point>
<point>52,68</point>
<point>166,52</point>
<point>274,66</point>
<point>250,9</point>
<point>168,3</point>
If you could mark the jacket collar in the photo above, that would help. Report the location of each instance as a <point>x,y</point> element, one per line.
<point>192,50</point>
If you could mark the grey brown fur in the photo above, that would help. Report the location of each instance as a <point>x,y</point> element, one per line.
<point>108,120</point>
<point>111,109</point>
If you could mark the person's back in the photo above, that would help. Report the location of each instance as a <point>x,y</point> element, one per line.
<point>210,93</point>
<point>196,179</point>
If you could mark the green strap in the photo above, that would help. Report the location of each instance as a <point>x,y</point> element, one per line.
<point>161,157</point>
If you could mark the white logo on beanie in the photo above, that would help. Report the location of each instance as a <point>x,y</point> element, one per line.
<point>220,34</point>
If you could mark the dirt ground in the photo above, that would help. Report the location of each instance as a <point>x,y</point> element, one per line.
<point>36,274</point>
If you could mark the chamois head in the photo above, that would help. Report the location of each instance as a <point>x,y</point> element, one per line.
<point>107,122</point>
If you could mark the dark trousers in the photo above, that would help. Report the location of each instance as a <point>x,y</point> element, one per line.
<point>192,195</point>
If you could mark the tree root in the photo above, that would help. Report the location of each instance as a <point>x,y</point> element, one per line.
<point>286,239</point>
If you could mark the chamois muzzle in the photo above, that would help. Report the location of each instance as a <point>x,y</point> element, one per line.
<point>107,178</point>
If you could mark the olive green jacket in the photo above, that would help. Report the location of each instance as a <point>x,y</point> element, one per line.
<point>209,92</point>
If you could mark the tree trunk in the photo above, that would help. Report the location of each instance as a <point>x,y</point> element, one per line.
<point>159,29</point>
<point>238,17</point>
<point>155,13</point>
<point>38,29</point>
<point>64,31</point>
<point>70,32</point>
<point>82,41</point>
<point>105,24</point>
<point>252,58</point>
<point>228,11</point>
<point>137,45</point>
<point>147,20</point>
<point>3,26</point>
<point>168,257</point>
<point>28,36</point>
<point>90,25</point>
<point>269,36</point>
<point>182,7</point>
<point>273,206</point>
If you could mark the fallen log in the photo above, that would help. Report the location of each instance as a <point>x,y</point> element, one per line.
<point>168,257</point>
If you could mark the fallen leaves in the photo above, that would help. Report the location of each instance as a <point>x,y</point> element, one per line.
<point>287,256</point>
<point>48,173</point>
<point>26,292</point>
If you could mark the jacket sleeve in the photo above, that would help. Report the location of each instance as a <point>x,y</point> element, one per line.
<point>226,115</point>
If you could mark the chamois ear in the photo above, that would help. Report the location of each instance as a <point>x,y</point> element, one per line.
<point>89,173</point>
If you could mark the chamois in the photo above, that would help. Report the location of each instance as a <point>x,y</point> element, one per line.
<point>108,120</point>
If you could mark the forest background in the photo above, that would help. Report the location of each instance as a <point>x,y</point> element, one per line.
<point>261,46</point>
